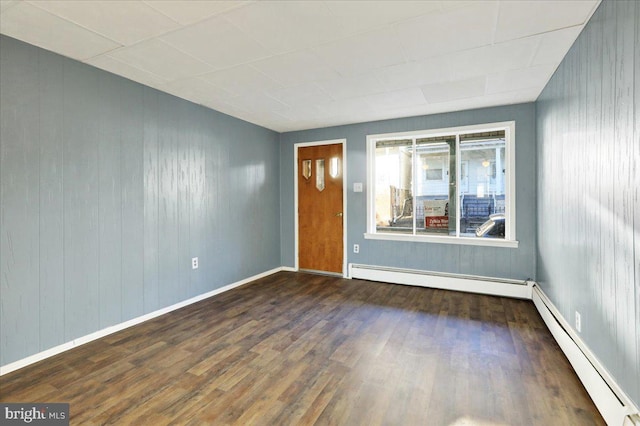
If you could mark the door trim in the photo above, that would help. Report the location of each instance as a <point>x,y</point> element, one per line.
<point>343,142</point>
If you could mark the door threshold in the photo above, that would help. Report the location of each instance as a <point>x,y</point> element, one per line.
<point>313,271</point>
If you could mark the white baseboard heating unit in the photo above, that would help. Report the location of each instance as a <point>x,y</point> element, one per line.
<point>614,405</point>
<point>444,281</point>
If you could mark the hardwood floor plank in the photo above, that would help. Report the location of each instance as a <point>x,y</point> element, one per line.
<point>301,349</point>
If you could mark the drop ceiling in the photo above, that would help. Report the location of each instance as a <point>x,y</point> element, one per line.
<point>292,65</point>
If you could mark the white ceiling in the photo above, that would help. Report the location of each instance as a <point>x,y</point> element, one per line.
<point>291,65</point>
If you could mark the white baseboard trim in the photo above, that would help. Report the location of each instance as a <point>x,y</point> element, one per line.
<point>288,269</point>
<point>614,405</point>
<point>8,368</point>
<point>444,281</point>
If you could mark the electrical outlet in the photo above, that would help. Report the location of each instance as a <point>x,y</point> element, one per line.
<point>578,322</point>
<point>356,248</point>
<point>194,263</point>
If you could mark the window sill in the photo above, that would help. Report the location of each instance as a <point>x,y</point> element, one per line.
<point>444,239</point>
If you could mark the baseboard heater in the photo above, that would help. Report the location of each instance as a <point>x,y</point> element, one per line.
<point>445,281</point>
<point>614,405</point>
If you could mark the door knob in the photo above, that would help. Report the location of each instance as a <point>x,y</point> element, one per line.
<point>339,214</point>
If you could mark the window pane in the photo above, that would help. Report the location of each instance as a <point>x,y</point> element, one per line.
<point>320,174</point>
<point>482,189</point>
<point>306,169</point>
<point>435,187</point>
<point>334,167</point>
<point>393,197</point>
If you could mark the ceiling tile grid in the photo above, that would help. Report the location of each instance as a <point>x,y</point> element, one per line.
<point>125,22</point>
<point>36,26</point>
<point>292,65</point>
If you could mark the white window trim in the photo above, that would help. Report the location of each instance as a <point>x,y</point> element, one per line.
<point>509,240</point>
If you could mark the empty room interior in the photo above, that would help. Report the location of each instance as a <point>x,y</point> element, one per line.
<point>320,212</point>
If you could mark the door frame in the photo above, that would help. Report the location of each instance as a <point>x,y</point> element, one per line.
<point>343,142</point>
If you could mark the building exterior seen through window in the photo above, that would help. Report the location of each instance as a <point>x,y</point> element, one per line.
<point>450,182</point>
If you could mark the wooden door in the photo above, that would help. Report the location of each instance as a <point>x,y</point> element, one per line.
<point>320,209</point>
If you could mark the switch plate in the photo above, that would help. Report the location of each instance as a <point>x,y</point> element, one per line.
<point>357,187</point>
<point>578,322</point>
<point>194,263</point>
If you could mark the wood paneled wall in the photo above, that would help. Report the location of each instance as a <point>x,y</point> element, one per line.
<point>108,188</point>
<point>589,188</point>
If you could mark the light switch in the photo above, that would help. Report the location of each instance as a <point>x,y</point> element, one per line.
<point>357,187</point>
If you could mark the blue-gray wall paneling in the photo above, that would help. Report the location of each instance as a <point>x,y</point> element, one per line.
<point>488,261</point>
<point>108,189</point>
<point>587,150</point>
<point>132,180</point>
<point>20,202</point>
<point>81,190</point>
<point>51,241</point>
<point>110,201</point>
<point>151,188</point>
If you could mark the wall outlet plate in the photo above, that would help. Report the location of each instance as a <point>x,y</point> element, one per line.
<point>194,263</point>
<point>578,322</point>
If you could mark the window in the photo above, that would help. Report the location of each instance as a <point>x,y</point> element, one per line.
<point>448,185</point>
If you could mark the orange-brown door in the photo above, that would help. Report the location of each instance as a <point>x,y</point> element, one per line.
<point>320,210</point>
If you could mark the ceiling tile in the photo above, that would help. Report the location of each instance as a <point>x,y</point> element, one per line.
<point>188,12</point>
<point>294,69</point>
<point>6,4</point>
<point>492,59</point>
<point>554,45</point>
<point>291,65</point>
<point>257,102</point>
<point>524,18</point>
<point>447,5</point>
<point>454,30</point>
<point>114,66</point>
<point>305,113</point>
<point>362,53</point>
<point>284,26</point>
<point>413,74</point>
<point>302,95</point>
<point>498,99</point>
<point>366,15</point>
<point>242,80</point>
<point>461,89</point>
<point>357,106</point>
<point>368,108</point>
<point>269,120</point>
<point>397,99</point>
<point>196,90</point>
<point>408,111</point>
<point>126,22</point>
<point>38,27</point>
<point>216,42</point>
<point>351,87</point>
<point>159,58</point>
<point>526,78</point>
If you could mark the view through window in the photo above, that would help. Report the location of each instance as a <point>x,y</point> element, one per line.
<point>451,183</point>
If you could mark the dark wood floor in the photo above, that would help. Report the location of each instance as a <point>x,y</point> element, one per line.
<point>296,349</point>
